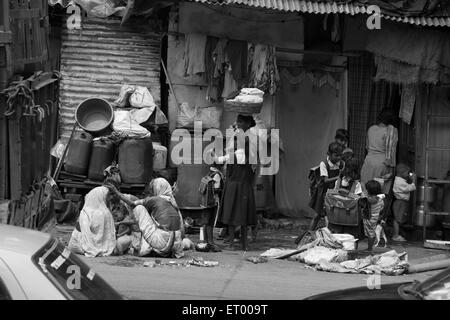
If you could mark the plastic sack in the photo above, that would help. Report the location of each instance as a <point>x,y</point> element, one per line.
<point>210,117</point>
<point>57,150</point>
<point>317,254</point>
<point>100,8</point>
<point>160,117</point>
<point>141,115</point>
<point>348,241</point>
<point>186,115</point>
<point>141,98</point>
<point>127,126</point>
<point>124,95</point>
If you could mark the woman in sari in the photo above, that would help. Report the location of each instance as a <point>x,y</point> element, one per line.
<point>159,220</point>
<point>381,147</point>
<point>95,232</point>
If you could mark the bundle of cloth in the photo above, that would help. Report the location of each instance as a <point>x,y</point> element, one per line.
<point>249,95</point>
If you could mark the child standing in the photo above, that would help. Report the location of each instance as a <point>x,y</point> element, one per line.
<point>372,217</point>
<point>342,137</point>
<point>211,188</point>
<point>329,174</point>
<point>404,184</point>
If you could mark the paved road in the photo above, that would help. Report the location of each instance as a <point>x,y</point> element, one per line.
<point>234,278</point>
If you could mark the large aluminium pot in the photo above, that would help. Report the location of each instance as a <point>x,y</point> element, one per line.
<point>429,192</point>
<point>418,216</point>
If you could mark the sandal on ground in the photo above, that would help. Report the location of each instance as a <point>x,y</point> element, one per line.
<point>214,247</point>
<point>399,239</point>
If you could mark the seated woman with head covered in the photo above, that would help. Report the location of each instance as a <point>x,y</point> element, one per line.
<point>159,220</point>
<point>95,231</point>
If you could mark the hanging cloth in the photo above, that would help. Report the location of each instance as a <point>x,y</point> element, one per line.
<point>194,54</point>
<point>407,103</point>
<point>236,52</point>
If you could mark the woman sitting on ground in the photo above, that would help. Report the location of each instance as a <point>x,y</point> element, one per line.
<point>95,232</point>
<point>159,219</point>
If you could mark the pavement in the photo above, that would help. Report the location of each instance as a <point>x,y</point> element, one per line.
<point>234,277</point>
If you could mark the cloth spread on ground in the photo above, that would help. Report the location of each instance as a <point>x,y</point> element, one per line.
<point>327,253</point>
<point>97,235</point>
<point>406,54</point>
<point>194,54</point>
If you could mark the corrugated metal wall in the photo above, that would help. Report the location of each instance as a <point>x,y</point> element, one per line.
<point>98,59</point>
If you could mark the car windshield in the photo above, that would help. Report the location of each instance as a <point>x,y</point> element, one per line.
<point>436,288</point>
<point>71,275</point>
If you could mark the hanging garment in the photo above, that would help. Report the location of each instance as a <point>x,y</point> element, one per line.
<point>230,85</point>
<point>407,103</point>
<point>236,52</point>
<point>219,57</point>
<point>194,54</point>
<point>214,84</point>
<point>264,74</point>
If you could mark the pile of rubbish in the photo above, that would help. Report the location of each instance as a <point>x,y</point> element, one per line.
<point>325,251</point>
<point>196,261</point>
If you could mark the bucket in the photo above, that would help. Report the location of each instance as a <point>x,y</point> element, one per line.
<point>94,115</point>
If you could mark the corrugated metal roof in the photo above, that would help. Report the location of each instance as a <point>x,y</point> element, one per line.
<point>97,60</point>
<point>318,7</point>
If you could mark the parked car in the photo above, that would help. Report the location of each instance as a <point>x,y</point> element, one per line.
<point>34,265</point>
<point>435,288</point>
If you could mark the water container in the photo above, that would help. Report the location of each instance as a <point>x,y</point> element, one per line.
<point>79,153</point>
<point>136,160</point>
<point>103,152</point>
<point>159,157</point>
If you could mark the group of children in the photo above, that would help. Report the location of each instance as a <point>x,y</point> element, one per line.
<point>340,171</point>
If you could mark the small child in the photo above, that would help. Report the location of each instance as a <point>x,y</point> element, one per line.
<point>372,217</point>
<point>213,180</point>
<point>342,137</point>
<point>404,184</point>
<point>330,170</point>
<point>349,178</point>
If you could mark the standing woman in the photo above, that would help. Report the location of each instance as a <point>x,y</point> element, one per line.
<point>381,147</point>
<point>237,207</point>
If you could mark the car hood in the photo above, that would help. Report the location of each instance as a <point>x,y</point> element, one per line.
<point>385,292</point>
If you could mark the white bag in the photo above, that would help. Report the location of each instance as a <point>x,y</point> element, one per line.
<point>209,116</point>
<point>141,115</point>
<point>126,125</point>
<point>141,98</point>
<point>186,116</point>
<point>160,117</point>
<point>124,95</point>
